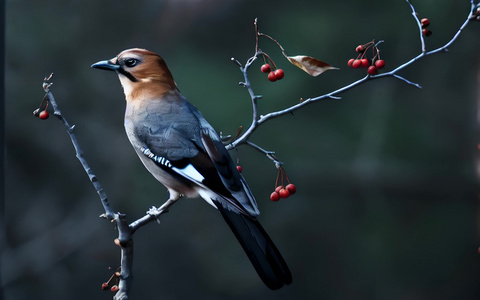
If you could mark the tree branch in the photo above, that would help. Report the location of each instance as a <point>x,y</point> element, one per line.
<point>125,230</point>
<point>79,153</point>
<point>259,120</point>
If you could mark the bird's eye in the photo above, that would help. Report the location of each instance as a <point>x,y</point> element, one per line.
<point>131,62</point>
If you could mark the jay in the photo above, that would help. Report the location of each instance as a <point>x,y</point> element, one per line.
<point>184,153</point>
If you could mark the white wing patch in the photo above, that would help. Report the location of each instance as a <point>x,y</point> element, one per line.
<point>192,174</point>
<point>189,171</point>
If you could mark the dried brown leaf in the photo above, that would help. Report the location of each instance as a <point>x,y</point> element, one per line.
<point>310,65</point>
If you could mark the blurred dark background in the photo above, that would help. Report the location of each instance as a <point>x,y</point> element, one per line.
<point>387,204</point>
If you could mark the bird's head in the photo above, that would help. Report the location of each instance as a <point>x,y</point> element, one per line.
<point>142,73</point>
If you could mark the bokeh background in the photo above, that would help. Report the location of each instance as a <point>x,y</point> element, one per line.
<point>387,204</point>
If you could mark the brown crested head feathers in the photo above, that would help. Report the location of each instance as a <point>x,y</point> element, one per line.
<point>143,74</point>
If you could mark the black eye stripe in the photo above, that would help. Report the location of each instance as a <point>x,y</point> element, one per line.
<point>127,74</point>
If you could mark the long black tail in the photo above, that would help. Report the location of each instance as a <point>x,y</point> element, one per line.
<point>262,252</point>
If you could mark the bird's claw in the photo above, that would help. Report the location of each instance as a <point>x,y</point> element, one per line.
<point>155,213</point>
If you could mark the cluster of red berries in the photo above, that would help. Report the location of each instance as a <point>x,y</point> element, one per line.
<point>42,114</point>
<point>272,75</point>
<point>362,61</point>
<point>115,277</point>
<point>282,191</point>
<point>425,23</point>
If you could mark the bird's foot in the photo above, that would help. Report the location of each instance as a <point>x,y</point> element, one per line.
<point>155,213</point>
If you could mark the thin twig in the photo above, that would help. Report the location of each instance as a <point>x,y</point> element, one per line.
<point>407,81</point>
<point>269,154</point>
<point>258,120</point>
<point>79,153</point>
<point>419,24</point>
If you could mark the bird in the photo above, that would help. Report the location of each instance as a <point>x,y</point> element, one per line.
<point>183,151</point>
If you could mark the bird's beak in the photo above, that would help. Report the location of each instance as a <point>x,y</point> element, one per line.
<point>106,65</point>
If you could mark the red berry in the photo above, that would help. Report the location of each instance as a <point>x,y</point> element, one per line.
<point>239,168</point>
<point>278,188</point>
<point>356,63</point>
<point>43,115</point>
<point>274,196</point>
<point>372,70</point>
<point>284,193</point>
<point>425,22</point>
<point>426,32</point>
<point>350,62</point>
<point>265,68</point>
<point>360,48</point>
<point>272,77</point>
<point>364,63</point>
<point>380,63</point>
<point>104,286</point>
<point>114,288</point>
<point>279,73</point>
<point>291,188</point>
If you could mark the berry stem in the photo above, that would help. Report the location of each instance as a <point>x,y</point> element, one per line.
<point>273,40</point>
<point>259,34</point>
<point>377,55</point>
<point>269,59</point>
<point>281,171</point>
<point>286,176</point>
<point>45,99</point>
<point>276,181</point>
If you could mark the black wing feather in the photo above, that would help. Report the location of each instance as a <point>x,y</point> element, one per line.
<point>183,137</point>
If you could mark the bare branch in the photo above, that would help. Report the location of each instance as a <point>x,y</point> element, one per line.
<point>269,154</point>
<point>419,24</point>
<point>407,81</point>
<point>457,34</point>
<point>79,153</point>
<point>258,120</point>
<point>125,230</point>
